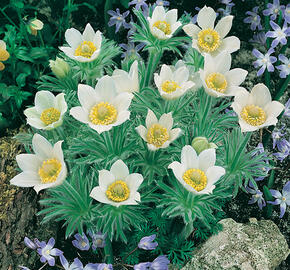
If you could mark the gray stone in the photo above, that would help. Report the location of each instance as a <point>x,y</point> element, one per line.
<point>258,245</point>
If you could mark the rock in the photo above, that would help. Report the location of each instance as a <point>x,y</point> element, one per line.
<point>258,245</point>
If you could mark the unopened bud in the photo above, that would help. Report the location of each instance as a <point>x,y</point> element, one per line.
<point>35,25</point>
<point>59,67</point>
<point>201,143</point>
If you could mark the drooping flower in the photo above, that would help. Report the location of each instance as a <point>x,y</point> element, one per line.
<point>29,243</point>
<point>127,81</point>
<point>279,35</point>
<point>281,199</point>
<point>158,133</point>
<point>209,39</point>
<point>147,242</point>
<point>287,109</point>
<point>118,19</point>
<point>256,109</point>
<point>197,173</point>
<point>162,3</point>
<point>273,9</point>
<point>264,61</point>
<point>160,263</point>
<point>83,47</point>
<point>44,169</point>
<point>285,68</point>
<point>47,251</point>
<point>103,107</point>
<point>254,19</point>
<point>259,38</point>
<point>4,54</point>
<point>98,240</point>
<point>276,136</point>
<point>257,196</point>
<point>284,150</point>
<point>131,49</point>
<point>34,26</point>
<point>117,187</point>
<point>173,82</point>
<point>163,23</point>
<point>59,67</point>
<point>77,265</point>
<point>139,4</point>
<point>217,78</point>
<point>81,242</point>
<point>48,111</point>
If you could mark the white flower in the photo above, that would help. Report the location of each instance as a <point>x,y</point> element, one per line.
<point>117,187</point>
<point>83,47</point>
<point>217,78</point>
<point>48,111</point>
<point>127,82</point>
<point>197,174</point>
<point>210,39</point>
<point>102,108</point>
<point>158,133</point>
<point>256,109</point>
<point>172,82</point>
<point>163,24</point>
<point>44,169</point>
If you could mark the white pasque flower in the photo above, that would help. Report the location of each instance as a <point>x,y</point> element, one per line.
<point>158,133</point>
<point>117,186</point>
<point>48,111</point>
<point>197,174</point>
<point>163,24</point>
<point>103,107</point>
<point>127,82</point>
<point>172,82</point>
<point>209,39</point>
<point>44,169</point>
<point>83,47</point>
<point>217,78</point>
<point>256,109</point>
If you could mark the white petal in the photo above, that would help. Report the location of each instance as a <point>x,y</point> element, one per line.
<point>150,119</point>
<point>68,51</point>
<point>137,197</point>
<point>230,44</point>
<point>100,128</point>
<point>28,162</point>
<point>100,196</point>
<point>134,181</point>
<point>206,159</point>
<point>233,90</point>
<point>86,96</point>
<point>178,169</point>
<point>98,40</point>
<point>224,26</point>
<point>240,101</point>
<point>158,14</point>
<point>57,151</point>
<point>174,133</point>
<point>80,114</point>
<point>166,121</point>
<point>31,113</point>
<point>223,62</point>
<point>73,37</point>
<point>41,146</point>
<point>36,122</point>
<point>89,33</point>
<point>122,117</point>
<point>60,104</point>
<point>171,17</point>
<point>245,127</point>
<point>260,95</point>
<point>106,178</point>
<point>236,76</point>
<point>166,73</point>
<point>191,30</point>
<point>206,17</point>
<point>43,100</point>
<point>25,179</point>
<point>174,27</point>
<point>106,89</point>
<point>274,108</point>
<point>181,75</point>
<point>122,101</point>
<point>40,186</point>
<point>213,174</point>
<point>120,170</point>
<point>142,131</point>
<point>189,157</point>
<point>152,147</point>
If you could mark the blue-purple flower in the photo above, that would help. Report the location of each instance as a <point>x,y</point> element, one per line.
<point>281,199</point>
<point>259,38</point>
<point>23,267</point>
<point>31,244</point>
<point>264,61</point>
<point>162,3</point>
<point>279,35</point>
<point>131,49</point>
<point>266,168</point>
<point>286,13</point>
<point>285,67</point>
<point>98,240</point>
<point>254,19</point>
<point>77,265</point>
<point>81,242</point>
<point>273,9</point>
<point>118,19</point>
<point>284,150</point>
<point>276,136</point>
<point>47,251</point>
<point>139,4</point>
<point>147,242</point>
<point>160,263</point>
<point>103,266</point>
<point>287,109</point>
<point>257,196</point>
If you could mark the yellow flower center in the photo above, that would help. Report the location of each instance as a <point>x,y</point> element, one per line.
<point>157,135</point>
<point>208,40</point>
<point>49,170</point>
<point>163,26</point>
<point>253,115</point>
<point>195,178</point>
<point>103,114</point>
<point>169,86</point>
<point>85,49</point>
<point>4,55</point>
<point>118,191</point>
<point>217,82</point>
<point>49,116</point>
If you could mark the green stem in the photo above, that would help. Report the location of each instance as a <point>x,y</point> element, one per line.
<point>109,257</point>
<point>7,17</point>
<point>280,91</point>
<point>267,25</point>
<point>108,6</point>
<point>108,141</point>
<point>23,28</point>
<point>267,78</point>
<point>153,60</point>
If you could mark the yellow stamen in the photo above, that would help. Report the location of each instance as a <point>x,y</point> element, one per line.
<point>195,178</point>
<point>208,40</point>
<point>49,116</point>
<point>85,49</point>
<point>118,191</point>
<point>163,26</point>
<point>253,115</point>
<point>49,170</point>
<point>103,114</point>
<point>157,135</point>
<point>169,86</point>
<point>217,82</point>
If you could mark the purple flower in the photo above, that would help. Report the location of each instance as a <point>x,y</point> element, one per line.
<point>286,13</point>
<point>103,266</point>
<point>287,109</point>
<point>118,19</point>
<point>98,239</point>
<point>225,12</point>
<point>276,136</point>
<point>264,61</point>
<point>194,18</point>
<point>29,243</point>
<point>273,9</point>
<point>162,3</point>
<point>257,196</point>
<point>230,112</point>
<point>160,263</point>
<point>259,38</point>
<point>77,265</point>
<point>284,149</point>
<point>260,150</point>
<point>131,49</point>
<point>46,251</point>
<point>147,242</point>
<point>81,242</point>
<point>23,267</point>
<point>284,69</point>
<point>139,4</point>
<point>281,199</point>
<point>278,34</point>
<point>254,19</point>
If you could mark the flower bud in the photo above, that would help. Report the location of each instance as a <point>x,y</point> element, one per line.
<point>201,143</point>
<point>35,25</point>
<point>59,67</point>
